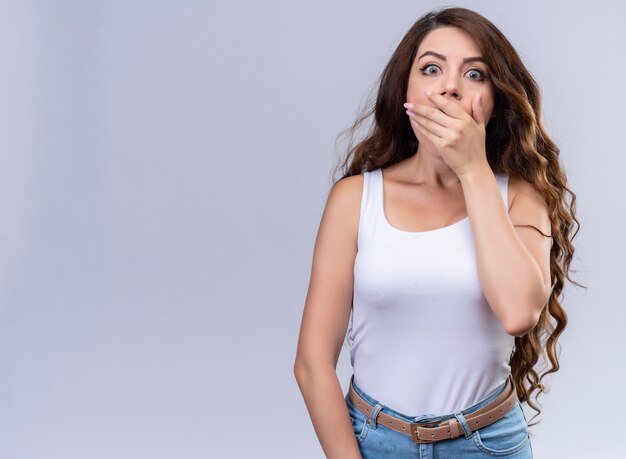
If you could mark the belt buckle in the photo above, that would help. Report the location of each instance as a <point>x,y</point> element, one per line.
<point>415,433</point>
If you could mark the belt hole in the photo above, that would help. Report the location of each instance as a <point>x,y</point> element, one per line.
<point>403,428</point>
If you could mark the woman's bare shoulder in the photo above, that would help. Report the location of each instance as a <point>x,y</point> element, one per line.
<point>518,185</point>
<point>343,207</point>
<point>348,191</point>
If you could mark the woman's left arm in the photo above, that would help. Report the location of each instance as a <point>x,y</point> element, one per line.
<point>513,261</point>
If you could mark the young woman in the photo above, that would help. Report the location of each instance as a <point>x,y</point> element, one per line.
<point>447,241</point>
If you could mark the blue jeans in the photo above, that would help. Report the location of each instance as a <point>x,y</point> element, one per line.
<point>507,437</point>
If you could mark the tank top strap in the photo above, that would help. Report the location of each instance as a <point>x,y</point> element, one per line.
<point>370,204</point>
<point>503,183</point>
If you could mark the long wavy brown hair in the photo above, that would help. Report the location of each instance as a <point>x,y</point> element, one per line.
<point>516,144</point>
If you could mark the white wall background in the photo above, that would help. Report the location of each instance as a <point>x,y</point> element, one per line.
<point>163,169</point>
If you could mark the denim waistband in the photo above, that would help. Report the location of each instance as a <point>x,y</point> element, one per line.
<point>428,417</point>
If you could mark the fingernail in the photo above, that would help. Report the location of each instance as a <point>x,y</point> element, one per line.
<point>408,105</point>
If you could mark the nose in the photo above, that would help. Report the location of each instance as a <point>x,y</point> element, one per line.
<point>451,88</point>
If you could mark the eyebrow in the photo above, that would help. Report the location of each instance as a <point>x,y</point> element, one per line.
<point>443,58</point>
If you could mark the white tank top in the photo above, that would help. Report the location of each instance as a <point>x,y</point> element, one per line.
<point>424,340</point>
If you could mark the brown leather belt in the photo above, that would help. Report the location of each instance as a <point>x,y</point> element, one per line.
<point>429,432</point>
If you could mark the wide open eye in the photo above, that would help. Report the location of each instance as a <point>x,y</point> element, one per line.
<point>480,73</point>
<point>428,72</point>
